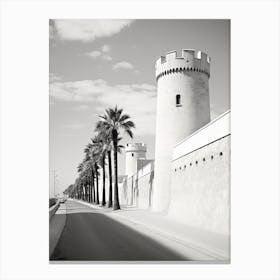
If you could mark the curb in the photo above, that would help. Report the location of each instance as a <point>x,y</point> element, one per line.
<point>53,209</point>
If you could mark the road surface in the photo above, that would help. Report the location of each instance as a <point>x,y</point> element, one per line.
<point>90,235</point>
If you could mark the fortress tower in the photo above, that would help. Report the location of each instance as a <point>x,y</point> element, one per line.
<point>182,107</point>
<point>133,154</point>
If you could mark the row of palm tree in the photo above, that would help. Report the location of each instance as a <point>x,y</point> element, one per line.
<point>98,155</point>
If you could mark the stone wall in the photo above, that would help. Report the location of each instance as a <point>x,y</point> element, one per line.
<point>136,190</point>
<point>200,190</point>
<point>200,178</point>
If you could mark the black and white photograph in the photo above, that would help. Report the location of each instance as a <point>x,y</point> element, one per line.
<point>139,140</point>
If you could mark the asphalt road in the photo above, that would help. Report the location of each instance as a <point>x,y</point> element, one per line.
<point>89,235</point>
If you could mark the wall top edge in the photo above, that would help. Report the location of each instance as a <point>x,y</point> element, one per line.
<point>204,127</point>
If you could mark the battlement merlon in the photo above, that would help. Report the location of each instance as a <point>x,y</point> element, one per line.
<point>135,147</point>
<point>189,59</point>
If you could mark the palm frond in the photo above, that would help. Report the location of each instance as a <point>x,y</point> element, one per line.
<point>129,132</point>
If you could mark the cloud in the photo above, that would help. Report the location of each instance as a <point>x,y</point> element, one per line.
<point>53,78</point>
<point>123,65</point>
<point>107,57</point>
<point>102,53</point>
<point>88,30</point>
<point>94,54</point>
<point>138,100</point>
<point>106,48</point>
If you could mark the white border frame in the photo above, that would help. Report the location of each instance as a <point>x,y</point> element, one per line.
<point>255,138</point>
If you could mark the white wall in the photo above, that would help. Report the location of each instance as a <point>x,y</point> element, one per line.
<point>200,193</point>
<point>136,190</point>
<point>212,131</point>
<point>200,186</point>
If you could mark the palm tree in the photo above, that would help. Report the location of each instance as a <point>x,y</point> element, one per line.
<point>90,162</point>
<point>113,121</point>
<point>99,142</point>
<point>98,154</point>
<point>107,148</point>
<point>93,155</point>
<point>80,184</point>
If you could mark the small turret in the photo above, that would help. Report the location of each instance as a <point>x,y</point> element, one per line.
<point>133,153</point>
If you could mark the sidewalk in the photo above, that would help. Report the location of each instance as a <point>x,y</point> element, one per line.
<point>56,226</point>
<point>197,244</point>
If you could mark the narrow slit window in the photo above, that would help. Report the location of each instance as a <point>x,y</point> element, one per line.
<point>178,100</point>
<point>132,154</point>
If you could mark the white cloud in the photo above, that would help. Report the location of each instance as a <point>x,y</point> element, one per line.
<point>102,53</point>
<point>53,78</point>
<point>123,65</point>
<point>88,30</point>
<point>138,100</point>
<point>107,57</point>
<point>94,54</point>
<point>106,48</point>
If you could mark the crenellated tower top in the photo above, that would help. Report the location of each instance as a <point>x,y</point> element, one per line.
<point>189,60</point>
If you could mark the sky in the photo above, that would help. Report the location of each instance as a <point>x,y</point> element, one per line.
<point>97,64</point>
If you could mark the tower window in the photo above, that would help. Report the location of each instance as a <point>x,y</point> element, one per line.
<point>178,100</point>
<point>132,154</point>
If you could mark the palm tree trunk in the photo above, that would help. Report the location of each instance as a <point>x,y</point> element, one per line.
<point>103,190</point>
<point>86,192</point>
<point>110,203</point>
<point>116,205</point>
<point>97,190</point>
<point>88,199</point>
<point>93,187</point>
<point>89,189</point>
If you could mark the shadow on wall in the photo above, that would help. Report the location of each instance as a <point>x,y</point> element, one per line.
<point>137,190</point>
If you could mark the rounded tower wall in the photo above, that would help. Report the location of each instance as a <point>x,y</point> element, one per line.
<point>134,152</point>
<point>183,106</point>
